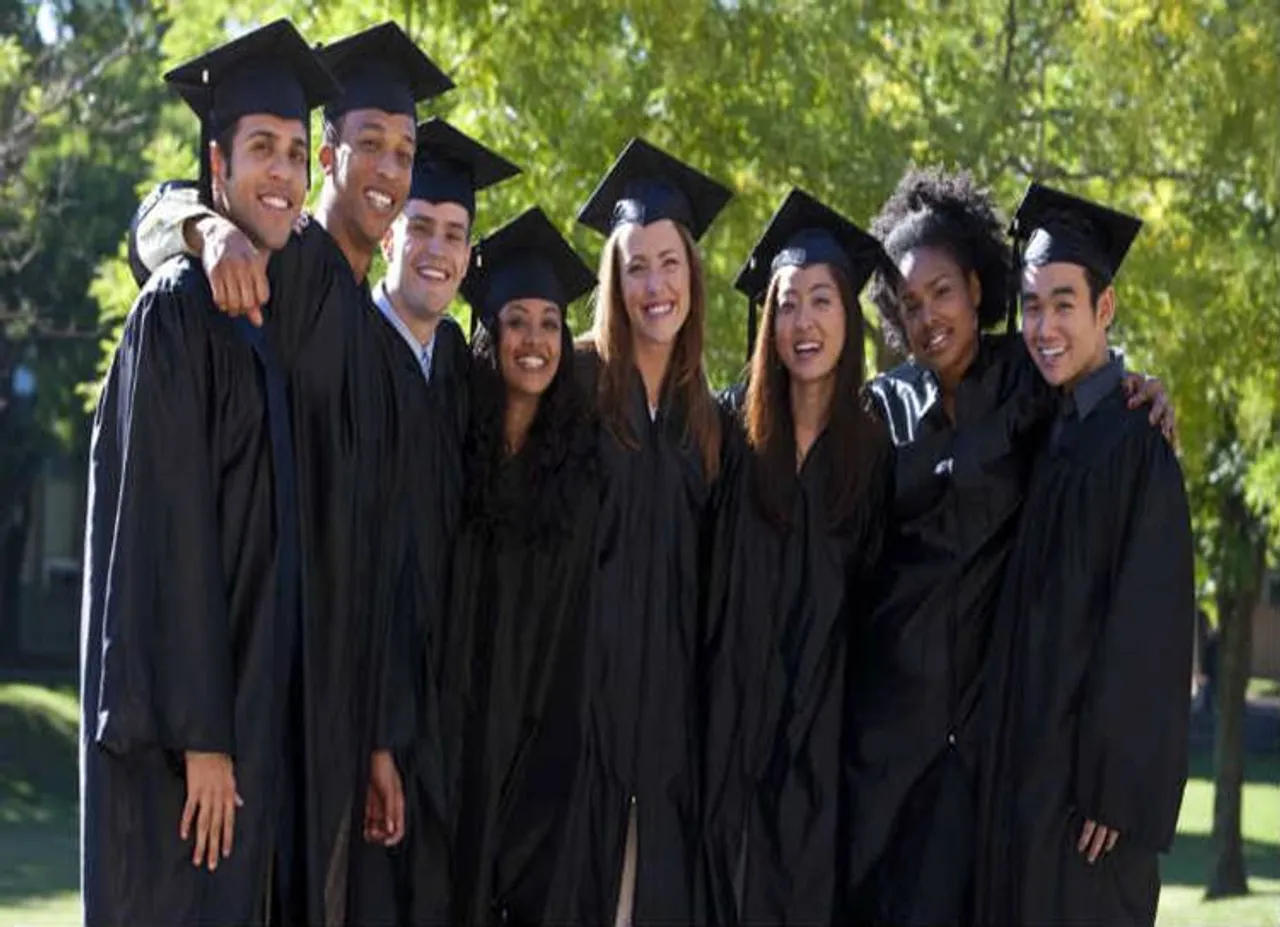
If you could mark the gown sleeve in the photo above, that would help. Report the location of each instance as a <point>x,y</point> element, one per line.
<point>165,651</point>
<point>155,234</point>
<point>1131,756</point>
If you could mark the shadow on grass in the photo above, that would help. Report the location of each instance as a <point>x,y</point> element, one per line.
<point>1192,857</point>
<point>38,734</point>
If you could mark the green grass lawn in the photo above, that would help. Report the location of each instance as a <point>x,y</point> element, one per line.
<point>38,872</point>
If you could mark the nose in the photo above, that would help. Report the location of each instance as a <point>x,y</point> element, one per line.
<point>278,168</point>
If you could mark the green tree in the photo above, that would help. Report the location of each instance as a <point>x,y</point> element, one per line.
<point>1167,110</point>
<point>73,103</point>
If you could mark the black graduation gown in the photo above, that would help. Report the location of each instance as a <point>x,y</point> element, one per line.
<point>958,489</point>
<point>1089,700</point>
<point>513,680</point>
<point>411,882</point>
<point>350,430</point>
<point>642,728</point>
<point>783,605</point>
<point>186,641</point>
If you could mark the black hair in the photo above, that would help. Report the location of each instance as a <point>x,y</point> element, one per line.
<point>933,208</point>
<point>225,139</point>
<point>557,460</point>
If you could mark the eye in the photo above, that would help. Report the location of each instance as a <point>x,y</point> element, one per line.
<point>298,156</point>
<point>368,145</point>
<point>404,159</point>
<point>634,269</point>
<point>670,263</point>
<point>822,302</point>
<point>454,237</point>
<point>787,306</point>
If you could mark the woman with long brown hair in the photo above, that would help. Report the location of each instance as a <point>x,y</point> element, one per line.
<point>798,526</point>
<point>523,566</point>
<point>660,451</point>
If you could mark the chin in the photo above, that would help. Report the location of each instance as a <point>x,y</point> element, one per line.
<point>272,234</point>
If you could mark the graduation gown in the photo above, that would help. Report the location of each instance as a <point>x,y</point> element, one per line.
<point>521,597</point>
<point>958,489</point>
<point>350,426</point>
<point>190,621</point>
<point>411,882</point>
<point>783,605</point>
<point>642,746</point>
<point>1088,706</point>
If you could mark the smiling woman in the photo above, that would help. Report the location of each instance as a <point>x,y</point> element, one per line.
<point>513,679</point>
<point>637,815</point>
<point>797,528</point>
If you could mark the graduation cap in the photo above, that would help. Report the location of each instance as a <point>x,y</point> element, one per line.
<point>451,167</point>
<point>1057,226</point>
<point>802,232</point>
<point>382,68</point>
<point>269,70</point>
<point>646,185</point>
<point>527,258</point>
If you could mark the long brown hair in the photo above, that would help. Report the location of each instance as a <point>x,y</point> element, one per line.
<point>857,442</point>
<point>686,379</point>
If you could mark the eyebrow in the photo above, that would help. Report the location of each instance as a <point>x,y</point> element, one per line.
<point>1063,291</point>
<point>668,252</point>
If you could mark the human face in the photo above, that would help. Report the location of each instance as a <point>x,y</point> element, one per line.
<point>428,250</point>
<point>1066,335</point>
<point>940,311</point>
<point>263,186</point>
<point>371,168</point>
<point>529,345</point>
<point>655,280</point>
<point>809,322</point>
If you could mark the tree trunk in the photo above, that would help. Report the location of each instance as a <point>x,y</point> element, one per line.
<point>1238,588</point>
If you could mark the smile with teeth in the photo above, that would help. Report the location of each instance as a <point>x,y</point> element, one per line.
<point>937,340</point>
<point>378,200</point>
<point>659,310</point>
<point>1051,353</point>
<point>434,274</point>
<point>530,362</point>
<point>806,348</point>
<point>275,201</point>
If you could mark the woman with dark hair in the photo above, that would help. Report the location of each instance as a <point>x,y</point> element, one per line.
<point>798,527</point>
<point>965,415</point>
<point>523,567</point>
<point>660,440</point>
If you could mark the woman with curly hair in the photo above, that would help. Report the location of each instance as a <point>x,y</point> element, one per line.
<point>798,527</point>
<point>965,415</point>
<point>523,567</point>
<point>660,454</point>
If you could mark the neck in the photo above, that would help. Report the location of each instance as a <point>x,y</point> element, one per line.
<point>424,330</point>
<point>810,412</point>
<point>950,379</point>
<point>652,360</point>
<point>1096,363</point>
<point>517,420</point>
<point>358,255</point>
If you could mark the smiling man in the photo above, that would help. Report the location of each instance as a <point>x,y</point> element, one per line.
<point>192,694</point>
<point>354,401</point>
<point>1091,652</point>
<point>428,250</point>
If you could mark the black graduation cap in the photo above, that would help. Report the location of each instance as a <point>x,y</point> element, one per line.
<point>382,68</point>
<point>646,185</point>
<point>805,231</point>
<point>451,167</point>
<point>1057,226</point>
<point>526,258</point>
<point>269,70</point>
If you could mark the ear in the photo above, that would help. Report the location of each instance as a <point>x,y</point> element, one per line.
<point>389,239</point>
<point>326,155</point>
<point>1107,307</point>
<point>466,260</point>
<point>218,170</point>
<point>975,290</point>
